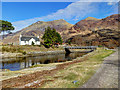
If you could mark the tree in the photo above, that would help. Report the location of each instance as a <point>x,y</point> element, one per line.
<point>5,26</point>
<point>58,38</point>
<point>69,42</point>
<point>51,37</point>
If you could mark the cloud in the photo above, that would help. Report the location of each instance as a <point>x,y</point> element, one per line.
<point>110,3</point>
<point>114,9</point>
<point>73,12</point>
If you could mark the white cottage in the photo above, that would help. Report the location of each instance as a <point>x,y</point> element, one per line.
<point>29,40</point>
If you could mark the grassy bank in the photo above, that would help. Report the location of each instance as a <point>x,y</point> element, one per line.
<point>78,72</point>
<point>26,48</point>
<point>17,50</point>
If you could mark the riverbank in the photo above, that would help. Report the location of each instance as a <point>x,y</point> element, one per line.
<point>31,54</point>
<point>80,68</point>
<point>30,51</point>
<point>25,51</point>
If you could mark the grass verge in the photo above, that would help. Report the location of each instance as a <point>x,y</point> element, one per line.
<point>77,74</point>
<point>26,48</point>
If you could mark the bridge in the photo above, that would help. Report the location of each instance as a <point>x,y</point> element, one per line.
<point>79,47</point>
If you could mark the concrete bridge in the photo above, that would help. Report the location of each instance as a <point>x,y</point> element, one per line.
<point>79,47</point>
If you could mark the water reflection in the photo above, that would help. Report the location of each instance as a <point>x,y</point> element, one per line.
<point>25,62</point>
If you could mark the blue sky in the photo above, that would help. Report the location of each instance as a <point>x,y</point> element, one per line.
<point>23,14</point>
<point>16,11</point>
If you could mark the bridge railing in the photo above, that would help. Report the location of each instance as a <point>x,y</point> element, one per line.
<point>80,47</point>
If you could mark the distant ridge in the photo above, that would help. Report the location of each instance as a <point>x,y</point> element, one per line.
<point>91,18</point>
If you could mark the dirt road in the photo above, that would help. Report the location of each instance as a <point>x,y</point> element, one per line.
<point>107,75</point>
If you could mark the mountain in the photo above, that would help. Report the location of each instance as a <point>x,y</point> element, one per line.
<point>38,29</point>
<point>110,22</point>
<point>59,25</point>
<point>90,31</point>
<point>96,32</point>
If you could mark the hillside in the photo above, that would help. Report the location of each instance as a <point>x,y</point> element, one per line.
<point>38,29</point>
<point>109,22</point>
<point>96,32</point>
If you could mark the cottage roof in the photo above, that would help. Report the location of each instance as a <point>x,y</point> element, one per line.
<point>28,38</point>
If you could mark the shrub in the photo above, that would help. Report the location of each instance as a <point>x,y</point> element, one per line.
<point>24,52</point>
<point>100,46</point>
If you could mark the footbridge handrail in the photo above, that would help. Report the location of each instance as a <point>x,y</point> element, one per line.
<point>80,47</point>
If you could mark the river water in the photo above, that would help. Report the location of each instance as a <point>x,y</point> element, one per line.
<point>14,64</point>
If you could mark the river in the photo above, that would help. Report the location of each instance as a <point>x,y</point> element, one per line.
<point>14,64</point>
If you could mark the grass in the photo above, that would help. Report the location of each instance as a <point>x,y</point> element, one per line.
<point>70,76</point>
<point>79,72</point>
<point>45,65</point>
<point>25,49</point>
<point>13,49</point>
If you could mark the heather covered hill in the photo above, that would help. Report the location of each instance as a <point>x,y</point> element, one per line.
<point>103,37</point>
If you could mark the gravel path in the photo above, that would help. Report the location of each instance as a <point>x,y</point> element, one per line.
<point>107,75</point>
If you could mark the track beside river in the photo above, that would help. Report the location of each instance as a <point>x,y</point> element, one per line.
<point>107,75</point>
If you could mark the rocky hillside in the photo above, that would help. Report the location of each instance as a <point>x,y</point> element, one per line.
<point>38,29</point>
<point>96,32</point>
<point>103,37</point>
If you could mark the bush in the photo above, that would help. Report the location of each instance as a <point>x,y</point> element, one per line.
<point>24,52</point>
<point>100,46</point>
<point>53,46</point>
<point>5,49</point>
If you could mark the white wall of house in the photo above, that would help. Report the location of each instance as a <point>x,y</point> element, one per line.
<point>23,43</point>
<point>38,43</point>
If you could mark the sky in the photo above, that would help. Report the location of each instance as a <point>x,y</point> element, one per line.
<point>23,14</point>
